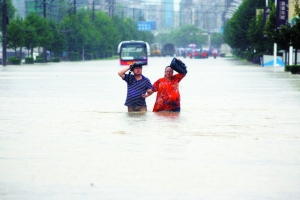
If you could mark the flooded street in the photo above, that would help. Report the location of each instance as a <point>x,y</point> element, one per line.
<point>66,134</point>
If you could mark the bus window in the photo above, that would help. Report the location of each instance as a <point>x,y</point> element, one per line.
<point>133,51</point>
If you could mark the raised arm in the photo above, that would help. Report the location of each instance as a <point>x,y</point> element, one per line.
<point>122,72</point>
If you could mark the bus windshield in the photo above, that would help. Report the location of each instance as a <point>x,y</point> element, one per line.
<point>133,51</point>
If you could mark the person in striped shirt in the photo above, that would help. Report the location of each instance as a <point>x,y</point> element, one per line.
<point>138,88</point>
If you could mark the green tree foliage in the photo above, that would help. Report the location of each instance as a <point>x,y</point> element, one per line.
<point>182,37</point>
<point>32,23</point>
<point>107,34</point>
<point>295,31</point>
<point>37,32</point>
<point>260,43</point>
<point>15,34</point>
<point>189,34</point>
<point>80,31</point>
<point>86,32</point>
<point>58,42</point>
<point>287,35</point>
<point>10,11</point>
<point>216,40</point>
<point>270,28</point>
<point>127,29</point>
<point>236,29</point>
<point>122,28</point>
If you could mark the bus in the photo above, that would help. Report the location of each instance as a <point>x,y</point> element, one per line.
<point>133,51</point>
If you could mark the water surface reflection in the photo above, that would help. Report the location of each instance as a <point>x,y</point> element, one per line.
<point>65,133</point>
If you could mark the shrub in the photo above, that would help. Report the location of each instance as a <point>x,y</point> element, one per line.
<point>39,60</point>
<point>74,56</point>
<point>55,60</point>
<point>29,60</point>
<point>287,68</point>
<point>89,56</point>
<point>14,60</point>
<point>295,69</point>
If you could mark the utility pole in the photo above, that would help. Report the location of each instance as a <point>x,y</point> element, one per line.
<point>112,8</point>
<point>93,14</point>
<point>4,39</point>
<point>133,13</point>
<point>74,7</point>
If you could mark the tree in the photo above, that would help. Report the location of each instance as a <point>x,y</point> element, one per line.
<point>32,22</point>
<point>127,30</point>
<point>216,39</point>
<point>270,28</point>
<point>15,34</point>
<point>108,36</point>
<point>295,31</point>
<point>236,29</point>
<point>58,42</point>
<point>10,11</point>
<point>80,31</point>
<point>182,37</point>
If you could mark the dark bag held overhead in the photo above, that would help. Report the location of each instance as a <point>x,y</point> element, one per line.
<point>178,66</point>
<point>137,64</point>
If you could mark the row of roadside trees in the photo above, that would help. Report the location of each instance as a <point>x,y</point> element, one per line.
<point>250,37</point>
<point>190,34</point>
<point>88,33</point>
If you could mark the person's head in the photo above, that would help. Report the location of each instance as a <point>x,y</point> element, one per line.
<point>137,70</point>
<point>168,72</point>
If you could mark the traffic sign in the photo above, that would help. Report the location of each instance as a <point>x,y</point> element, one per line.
<point>146,25</point>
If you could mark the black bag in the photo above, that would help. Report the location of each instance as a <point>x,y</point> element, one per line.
<point>137,64</point>
<point>178,66</point>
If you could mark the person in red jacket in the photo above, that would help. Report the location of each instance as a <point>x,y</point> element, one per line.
<point>167,88</point>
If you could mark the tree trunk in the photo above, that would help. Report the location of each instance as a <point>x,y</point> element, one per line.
<point>296,52</point>
<point>21,53</point>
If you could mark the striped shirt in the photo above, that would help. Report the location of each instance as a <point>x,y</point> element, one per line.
<point>135,90</point>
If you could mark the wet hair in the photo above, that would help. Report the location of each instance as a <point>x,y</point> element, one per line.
<point>138,66</point>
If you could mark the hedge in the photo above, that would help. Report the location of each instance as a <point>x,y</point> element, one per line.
<point>29,60</point>
<point>55,60</point>
<point>14,61</point>
<point>295,69</point>
<point>39,60</point>
<point>89,56</point>
<point>74,56</point>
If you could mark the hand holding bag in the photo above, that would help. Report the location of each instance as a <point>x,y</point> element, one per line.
<point>178,66</point>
